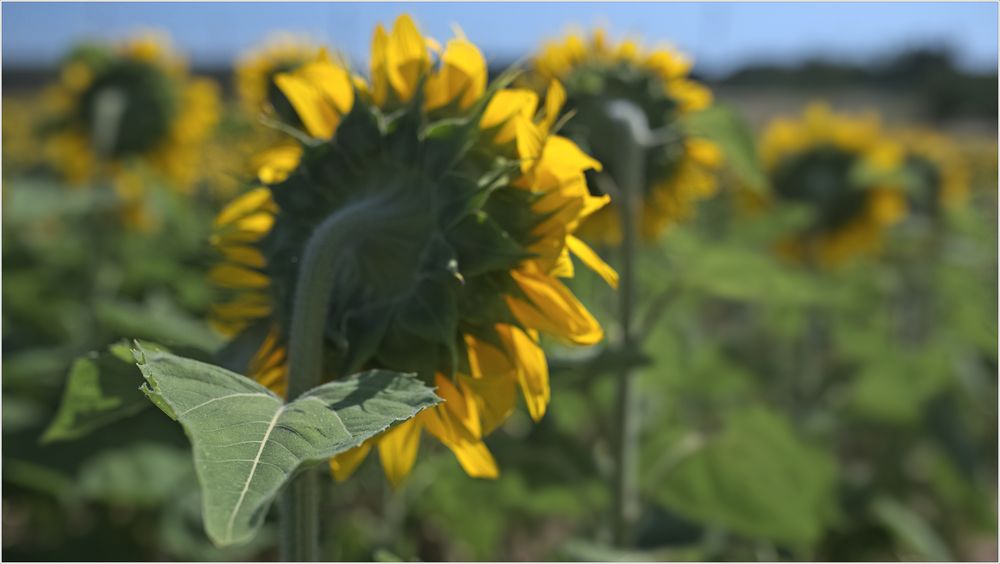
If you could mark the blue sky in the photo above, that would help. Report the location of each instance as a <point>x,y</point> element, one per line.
<point>720,36</point>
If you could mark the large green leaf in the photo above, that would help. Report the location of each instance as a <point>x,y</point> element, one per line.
<point>247,442</point>
<point>756,478</point>
<point>102,388</point>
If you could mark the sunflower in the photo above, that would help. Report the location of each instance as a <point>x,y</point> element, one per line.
<point>939,173</point>
<point>114,107</point>
<point>846,170</point>
<point>680,170</point>
<point>465,201</point>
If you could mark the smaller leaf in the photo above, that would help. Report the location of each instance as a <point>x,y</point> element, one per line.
<point>102,388</point>
<point>248,443</point>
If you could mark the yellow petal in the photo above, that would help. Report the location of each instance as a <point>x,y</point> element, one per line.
<point>243,255</point>
<point>563,155</point>
<point>462,410</point>
<point>563,266</point>
<point>317,116</point>
<point>462,76</point>
<point>237,277</point>
<point>253,201</point>
<point>321,93</point>
<point>380,77</point>
<point>345,463</point>
<point>495,397</point>
<point>530,140</point>
<point>274,164</point>
<point>406,57</point>
<point>553,309</point>
<point>502,108</point>
<point>475,459</point>
<point>592,260</point>
<point>471,453</point>
<point>554,100</point>
<point>533,370</point>
<point>397,450</point>
<point>485,360</point>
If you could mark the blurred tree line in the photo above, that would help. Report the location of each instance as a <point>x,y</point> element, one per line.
<point>929,74</point>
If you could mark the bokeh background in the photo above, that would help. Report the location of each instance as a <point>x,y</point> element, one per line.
<point>788,412</point>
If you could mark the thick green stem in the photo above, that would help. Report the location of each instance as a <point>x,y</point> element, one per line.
<point>630,133</point>
<point>313,291</point>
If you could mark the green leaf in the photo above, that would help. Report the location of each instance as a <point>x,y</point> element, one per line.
<point>756,478</point>
<point>32,200</point>
<point>911,530</point>
<point>157,320</point>
<point>723,125</point>
<point>101,389</point>
<point>248,443</point>
<point>145,474</point>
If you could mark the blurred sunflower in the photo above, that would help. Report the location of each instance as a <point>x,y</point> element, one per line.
<point>464,204</point>
<point>846,170</point>
<point>681,169</point>
<point>939,174</point>
<point>115,107</point>
<point>20,141</point>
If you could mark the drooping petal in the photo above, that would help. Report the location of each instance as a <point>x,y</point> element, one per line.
<point>470,452</point>
<point>495,397</point>
<point>553,309</point>
<point>461,408</point>
<point>533,370</point>
<point>592,260</point>
<point>397,450</point>
<point>345,463</point>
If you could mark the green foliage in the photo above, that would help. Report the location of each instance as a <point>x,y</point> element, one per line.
<point>757,478</point>
<point>249,442</point>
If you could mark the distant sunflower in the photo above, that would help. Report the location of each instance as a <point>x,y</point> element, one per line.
<point>681,169</point>
<point>465,204</point>
<point>115,107</point>
<point>21,149</point>
<point>939,172</point>
<point>846,170</point>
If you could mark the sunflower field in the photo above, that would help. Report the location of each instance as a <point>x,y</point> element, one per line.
<point>590,305</point>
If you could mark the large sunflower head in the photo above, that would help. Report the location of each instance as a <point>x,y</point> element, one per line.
<point>460,205</point>
<point>255,73</point>
<point>115,107</point>
<point>680,168</point>
<point>846,171</point>
<point>937,170</point>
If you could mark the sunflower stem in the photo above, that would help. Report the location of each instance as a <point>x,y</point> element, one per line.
<point>313,291</point>
<point>631,135</point>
